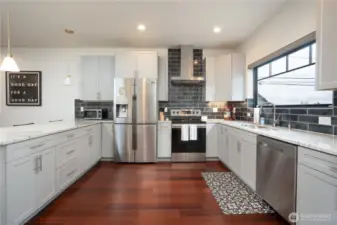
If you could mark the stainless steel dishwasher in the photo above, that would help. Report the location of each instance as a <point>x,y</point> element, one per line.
<point>276,174</point>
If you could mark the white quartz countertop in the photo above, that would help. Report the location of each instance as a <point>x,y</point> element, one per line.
<point>320,142</point>
<point>11,135</point>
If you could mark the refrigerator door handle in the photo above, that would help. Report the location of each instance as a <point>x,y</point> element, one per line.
<point>134,114</point>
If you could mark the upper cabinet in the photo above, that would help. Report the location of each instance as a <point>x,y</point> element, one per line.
<point>326,37</point>
<point>142,64</point>
<point>225,77</point>
<point>98,75</point>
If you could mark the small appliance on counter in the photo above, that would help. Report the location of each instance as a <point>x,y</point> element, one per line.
<point>96,114</point>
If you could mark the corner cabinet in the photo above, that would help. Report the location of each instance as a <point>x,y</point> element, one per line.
<point>141,64</point>
<point>97,73</point>
<point>225,77</point>
<point>326,38</point>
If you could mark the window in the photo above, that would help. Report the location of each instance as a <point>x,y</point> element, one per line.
<point>290,80</point>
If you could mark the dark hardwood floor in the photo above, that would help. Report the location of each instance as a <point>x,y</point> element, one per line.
<point>161,194</point>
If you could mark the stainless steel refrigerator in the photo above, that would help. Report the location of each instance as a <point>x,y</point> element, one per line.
<point>135,120</point>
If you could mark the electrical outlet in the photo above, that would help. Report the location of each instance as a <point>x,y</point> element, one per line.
<point>215,110</point>
<point>82,108</point>
<point>249,114</point>
<point>324,120</point>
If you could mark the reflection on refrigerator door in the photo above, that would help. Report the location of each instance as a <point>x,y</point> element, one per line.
<point>123,143</point>
<point>146,143</point>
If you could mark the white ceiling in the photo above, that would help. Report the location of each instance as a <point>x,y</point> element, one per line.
<point>113,23</point>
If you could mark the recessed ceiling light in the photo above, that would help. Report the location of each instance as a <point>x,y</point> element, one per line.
<point>69,31</point>
<point>216,30</point>
<point>141,27</point>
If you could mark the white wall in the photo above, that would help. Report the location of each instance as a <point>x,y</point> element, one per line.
<point>57,99</point>
<point>295,19</point>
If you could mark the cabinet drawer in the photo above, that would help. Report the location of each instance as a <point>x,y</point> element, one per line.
<point>70,135</point>
<point>30,147</point>
<point>244,135</point>
<point>94,129</point>
<point>67,174</point>
<point>65,152</point>
<point>321,162</point>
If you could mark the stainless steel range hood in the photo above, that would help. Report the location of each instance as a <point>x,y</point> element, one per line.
<point>186,67</point>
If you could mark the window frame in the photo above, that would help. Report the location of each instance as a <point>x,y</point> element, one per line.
<point>256,80</point>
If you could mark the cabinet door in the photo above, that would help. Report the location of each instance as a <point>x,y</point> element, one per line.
<point>126,65</point>
<point>84,155</point>
<point>210,78</point>
<point>248,163</point>
<point>223,83</point>
<point>21,189</point>
<point>107,140</point>
<point>326,45</point>
<point>234,154</point>
<point>238,77</point>
<point>147,65</point>
<point>211,140</point>
<point>220,146</point>
<point>90,74</point>
<point>45,179</point>
<point>225,145</point>
<point>106,78</point>
<point>164,140</point>
<point>96,147</point>
<point>316,195</point>
<point>163,79</point>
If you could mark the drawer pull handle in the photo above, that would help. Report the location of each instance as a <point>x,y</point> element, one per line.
<point>37,146</point>
<point>70,152</point>
<point>70,135</point>
<point>89,129</point>
<point>71,173</point>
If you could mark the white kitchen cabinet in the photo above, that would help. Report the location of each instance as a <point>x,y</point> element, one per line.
<point>211,140</point>
<point>234,153</point>
<point>163,81</point>
<point>98,75</point>
<point>164,139</point>
<point>326,36</point>
<point>45,179</point>
<point>125,65</point>
<point>107,141</point>
<point>316,195</point>
<point>21,189</point>
<point>223,142</point>
<point>248,163</point>
<point>141,64</point>
<point>225,77</point>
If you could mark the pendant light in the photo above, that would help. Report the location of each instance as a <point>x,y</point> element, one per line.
<point>9,63</point>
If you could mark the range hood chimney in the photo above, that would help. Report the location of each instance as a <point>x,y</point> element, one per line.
<point>186,67</point>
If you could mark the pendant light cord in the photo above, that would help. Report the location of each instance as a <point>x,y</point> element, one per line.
<point>9,34</point>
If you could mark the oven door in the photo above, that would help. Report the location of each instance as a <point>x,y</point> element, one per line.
<point>188,151</point>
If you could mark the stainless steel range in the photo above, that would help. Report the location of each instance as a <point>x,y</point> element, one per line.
<point>188,136</point>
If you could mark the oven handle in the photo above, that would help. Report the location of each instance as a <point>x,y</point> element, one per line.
<point>198,125</point>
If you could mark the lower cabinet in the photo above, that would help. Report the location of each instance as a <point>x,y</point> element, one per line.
<point>316,188</point>
<point>107,141</point>
<point>211,140</point>
<point>223,144</point>
<point>164,139</point>
<point>30,183</point>
<point>239,154</point>
<point>38,172</point>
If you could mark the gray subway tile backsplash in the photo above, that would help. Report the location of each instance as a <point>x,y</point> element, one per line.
<point>308,119</point>
<point>321,128</point>
<point>320,111</point>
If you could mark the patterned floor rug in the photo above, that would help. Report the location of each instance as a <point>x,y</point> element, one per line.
<point>233,195</point>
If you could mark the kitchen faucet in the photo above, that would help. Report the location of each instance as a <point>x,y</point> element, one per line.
<point>274,111</point>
